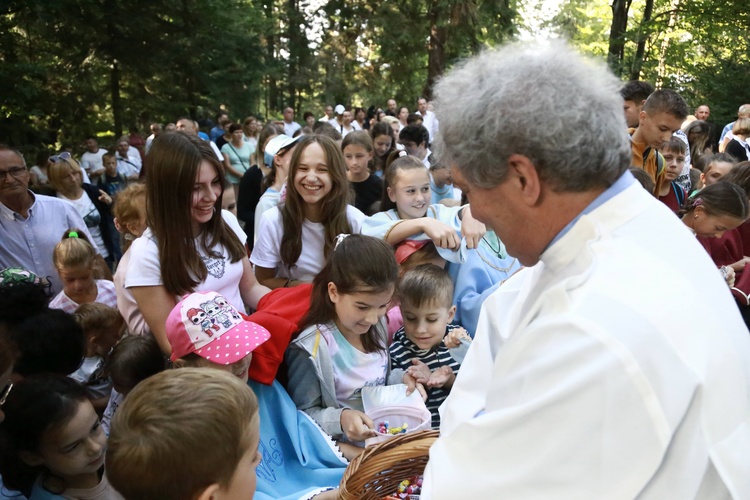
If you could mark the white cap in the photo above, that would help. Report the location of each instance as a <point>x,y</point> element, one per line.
<point>339,109</point>
<point>275,145</point>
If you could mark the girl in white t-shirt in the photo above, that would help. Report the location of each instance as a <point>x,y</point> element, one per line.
<point>190,244</point>
<point>295,238</point>
<point>342,346</point>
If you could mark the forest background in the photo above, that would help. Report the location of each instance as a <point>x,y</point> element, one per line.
<point>70,68</point>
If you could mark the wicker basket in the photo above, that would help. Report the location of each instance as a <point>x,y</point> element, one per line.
<point>378,471</point>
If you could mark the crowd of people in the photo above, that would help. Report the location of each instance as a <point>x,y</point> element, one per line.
<point>197,314</point>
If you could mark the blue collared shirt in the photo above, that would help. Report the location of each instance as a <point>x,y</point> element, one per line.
<point>28,243</point>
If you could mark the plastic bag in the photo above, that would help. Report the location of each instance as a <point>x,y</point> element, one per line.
<point>390,403</point>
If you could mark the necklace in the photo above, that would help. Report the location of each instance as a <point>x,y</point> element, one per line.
<point>496,251</point>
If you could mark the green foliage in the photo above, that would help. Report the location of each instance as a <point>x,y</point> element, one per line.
<point>704,52</point>
<point>69,68</point>
<point>74,67</point>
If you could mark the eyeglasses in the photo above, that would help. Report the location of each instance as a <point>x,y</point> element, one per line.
<point>59,158</point>
<point>17,173</point>
<point>5,392</point>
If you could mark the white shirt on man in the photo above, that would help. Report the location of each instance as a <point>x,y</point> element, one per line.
<point>92,162</point>
<point>131,165</point>
<point>430,122</point>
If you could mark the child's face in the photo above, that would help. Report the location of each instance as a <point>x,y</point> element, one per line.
<point>357,312</point>
<point>243,482</point>
<point>357,157</point>
<point>425,325</point>
<point>311,178</point>
<point>110,165</point>
<point>713,226</point>
<point>715,171</point>
<point>674,163</point>
<point>76,280</point>
<point>442,176</point>
<point>382,144</point>
<point>106,340</point>
<point>229,201</point>
<point>240,368</point>
<point>657,127</point>
<point>74,448</point>
<point>632,109</point>
<point>411,193</point>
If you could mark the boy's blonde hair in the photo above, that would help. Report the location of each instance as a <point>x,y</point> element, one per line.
<point>426,284</point>
<point>97,318</point>
<point>180,431</point>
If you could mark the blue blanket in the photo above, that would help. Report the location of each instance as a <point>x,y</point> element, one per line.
<point>299,459</point>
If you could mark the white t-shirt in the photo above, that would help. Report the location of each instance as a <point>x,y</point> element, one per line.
<point>126,303</point>
<point>115,400</point>
<point>291,128</point>
<point>354,369</point>
<point>91,216</point>
<point>223,275</point>
<point>268,200</point>
<point>266,252</point>
<point>91,375</point>
<point>91,162</point>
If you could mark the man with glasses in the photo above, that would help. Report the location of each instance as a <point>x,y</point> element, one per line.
<point>31,224</point>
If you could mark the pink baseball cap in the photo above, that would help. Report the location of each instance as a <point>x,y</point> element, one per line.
<point>406,248</point>
<point>208,325</point>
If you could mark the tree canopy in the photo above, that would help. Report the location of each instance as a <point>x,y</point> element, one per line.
<point>71,68</point>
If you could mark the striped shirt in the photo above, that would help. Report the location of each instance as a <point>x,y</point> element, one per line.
<point>404,350</point>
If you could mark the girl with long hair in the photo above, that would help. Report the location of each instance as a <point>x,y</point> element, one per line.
<point>191,244</point>
<point>295,238</point>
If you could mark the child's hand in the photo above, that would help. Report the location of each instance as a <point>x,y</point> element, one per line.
<point>412,384</point>
<point>420,371</point>
<point>728,274</point>
<point>441,377</point>
<point>441,234</point>
<point>471,229</point>
<point>356,425</point>
<point>453,339</point>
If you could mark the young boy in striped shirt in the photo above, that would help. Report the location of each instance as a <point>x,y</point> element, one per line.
<point>427,347</point>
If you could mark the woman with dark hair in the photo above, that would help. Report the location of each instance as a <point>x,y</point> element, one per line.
<point>251,184</point>
<point>237,155</point>
<point>384,143</point>
<point>698,134</point>
<point>191,244</point>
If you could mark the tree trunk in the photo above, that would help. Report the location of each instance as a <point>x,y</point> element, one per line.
<point>662,69</point>
<point>273,90</point>
<point>436,49</point>
<point>617,35</point>
<point>635,72</point>
<point>116,102</point>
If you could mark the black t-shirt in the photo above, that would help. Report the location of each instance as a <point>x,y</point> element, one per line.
<point>366,193</point>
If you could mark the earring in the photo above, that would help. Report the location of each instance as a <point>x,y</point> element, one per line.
<point>695,216</point>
